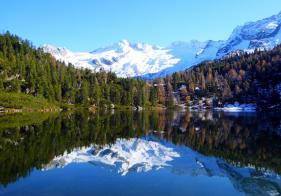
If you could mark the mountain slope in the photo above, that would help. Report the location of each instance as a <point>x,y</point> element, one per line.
<point>132,60</point>
<point>263,34</point>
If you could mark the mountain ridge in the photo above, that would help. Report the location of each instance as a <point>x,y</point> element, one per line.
<point>128,59</point>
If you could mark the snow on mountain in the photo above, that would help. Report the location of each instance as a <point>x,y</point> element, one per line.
<point>131,60</point>
<point>150,153</point>
<point>190,53</point>
<point>263,34</point>
<point>79,59</point>
<point>124,58</point>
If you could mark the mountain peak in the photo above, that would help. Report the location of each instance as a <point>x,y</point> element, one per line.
<point>124,42</point>
<point>128,59</point>
<point>124,46</point>
<point>262,34</point>
<point>56,51</point>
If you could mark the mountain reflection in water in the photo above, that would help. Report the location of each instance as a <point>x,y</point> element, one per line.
<point>246,148</point>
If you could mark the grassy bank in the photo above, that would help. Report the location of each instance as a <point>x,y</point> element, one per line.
<point>24,119</point>
<point>11,102</point>
<point>18,102</point>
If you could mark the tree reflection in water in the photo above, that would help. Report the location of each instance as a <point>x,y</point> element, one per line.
<point>32,140</point>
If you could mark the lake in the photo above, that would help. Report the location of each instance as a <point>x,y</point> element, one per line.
<point>140,153</point>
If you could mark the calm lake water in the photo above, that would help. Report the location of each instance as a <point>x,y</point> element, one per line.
<point>140,153</point>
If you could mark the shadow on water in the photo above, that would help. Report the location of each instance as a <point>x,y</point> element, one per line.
<point>29,141</point>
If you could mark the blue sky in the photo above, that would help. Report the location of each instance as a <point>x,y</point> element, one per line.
<point>84,25</point>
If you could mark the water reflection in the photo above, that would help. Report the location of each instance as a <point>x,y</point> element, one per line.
<point>244,147</point>
<point>124,156</point>
<point>148,153</point>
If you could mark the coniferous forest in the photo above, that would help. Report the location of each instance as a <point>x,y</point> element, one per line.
<point>25,69</point>
<point>243,77</point>
<point>121,98</point>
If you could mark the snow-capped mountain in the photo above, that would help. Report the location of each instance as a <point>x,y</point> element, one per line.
<point>150,153</point>
<point>263,34</point>
<point>131,60</point>
<point>124,58</point>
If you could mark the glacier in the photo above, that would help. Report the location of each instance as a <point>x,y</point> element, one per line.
<point>148,61</point>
